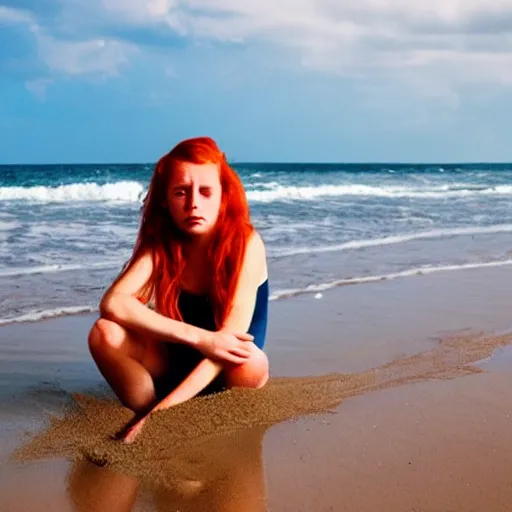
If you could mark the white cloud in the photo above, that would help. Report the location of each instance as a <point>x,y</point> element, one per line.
<point>38,87</point>
<point>97,56</point>
<point>10,15</point>
<point>102,57</point>
<point>443,43</point>
<point>136,10</point>
<point>466,40</point>
<point>146,12</point>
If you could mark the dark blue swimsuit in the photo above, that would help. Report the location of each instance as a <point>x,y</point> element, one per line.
<point>197,310</point>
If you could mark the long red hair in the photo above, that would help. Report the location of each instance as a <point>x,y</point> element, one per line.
<point>159,235</point>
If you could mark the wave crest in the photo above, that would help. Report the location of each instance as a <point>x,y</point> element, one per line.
<point>121,191</point>
<point>133,192</point>
<point>306,193</point>
<point>394,239</point>
<point>35,316</point>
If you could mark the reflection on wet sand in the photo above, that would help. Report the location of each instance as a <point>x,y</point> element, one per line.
<point>223,473</point>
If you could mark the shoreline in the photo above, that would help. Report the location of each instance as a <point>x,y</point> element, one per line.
<point>308,291</point>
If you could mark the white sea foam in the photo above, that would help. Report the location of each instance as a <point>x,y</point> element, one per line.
<point>121,191</point>
<point>51,269</point>
<point>9,226</point>
<point>316,288</point>
<point>263,184</point>
<point>279,253</point>
<point>395,239</point>
<point>35,316</point>
<point>306,193</point>
<point>133,192</point>
<point>61,229</point>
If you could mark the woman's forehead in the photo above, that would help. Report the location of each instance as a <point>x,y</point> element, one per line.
<point>188,173</point>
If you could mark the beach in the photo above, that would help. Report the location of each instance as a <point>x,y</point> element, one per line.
<point>346,161</point>
<point>391,395</point>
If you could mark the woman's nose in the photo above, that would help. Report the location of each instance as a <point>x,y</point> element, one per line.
<point>192,200</point>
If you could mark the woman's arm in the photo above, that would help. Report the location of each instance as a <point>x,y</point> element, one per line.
<point>254,271</point>
<point>120,305</point>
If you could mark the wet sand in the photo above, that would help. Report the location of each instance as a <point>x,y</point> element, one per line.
<point>387,396</point>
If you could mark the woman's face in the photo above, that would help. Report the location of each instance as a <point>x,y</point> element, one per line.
<point>194,197</point>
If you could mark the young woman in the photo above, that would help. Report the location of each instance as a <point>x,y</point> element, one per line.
<point>188,313</point>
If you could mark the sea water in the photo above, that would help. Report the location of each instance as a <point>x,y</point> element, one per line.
<point>66,230</point>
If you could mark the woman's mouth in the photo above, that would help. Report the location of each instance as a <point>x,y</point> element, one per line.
<point>194,220</point>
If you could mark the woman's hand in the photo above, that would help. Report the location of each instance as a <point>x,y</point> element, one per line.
<point>129,435</point>
<point>130,431</point>
<point>223,346</point>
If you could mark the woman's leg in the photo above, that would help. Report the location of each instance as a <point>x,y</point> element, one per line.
<point>127,362</point>
<point>253,374</point>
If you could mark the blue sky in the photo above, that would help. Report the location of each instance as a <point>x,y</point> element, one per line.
<point>270,80</point>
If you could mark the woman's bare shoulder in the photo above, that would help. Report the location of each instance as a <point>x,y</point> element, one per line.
<point>135,277</point>
<point>256,256</point>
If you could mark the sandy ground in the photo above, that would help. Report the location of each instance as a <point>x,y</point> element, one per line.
<point>386,396</point>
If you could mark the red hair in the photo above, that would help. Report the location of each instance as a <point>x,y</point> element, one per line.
<point>159,235</point>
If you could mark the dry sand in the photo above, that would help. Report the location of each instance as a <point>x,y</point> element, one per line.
<point>428,431</point>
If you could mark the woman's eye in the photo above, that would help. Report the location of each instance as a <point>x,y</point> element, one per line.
<point>179,193</point>
<point>207,192</point>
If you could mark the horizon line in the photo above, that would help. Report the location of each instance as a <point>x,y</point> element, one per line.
<point>277,162</point>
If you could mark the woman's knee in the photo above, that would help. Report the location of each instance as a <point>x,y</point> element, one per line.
<point>253,374</point>
<point>106,334</point>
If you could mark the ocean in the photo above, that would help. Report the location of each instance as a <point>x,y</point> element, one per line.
<point>66,230</point>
